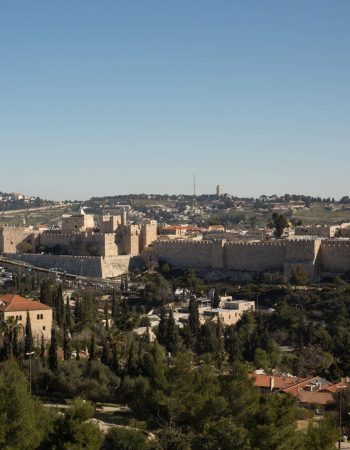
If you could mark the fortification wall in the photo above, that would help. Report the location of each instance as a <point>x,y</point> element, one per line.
<point>79,244</point>
<point>301,251</point>
<point>90,266</point>
<point>244,257</point>
<point>184,254</point>
<point>254,256</point>
<point>305,252</point>
<point>335,257</point>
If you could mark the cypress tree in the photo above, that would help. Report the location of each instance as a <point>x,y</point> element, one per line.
<point>193,316</point>
<point>105,356</point>
<point>77,351</point>
<point>67,347</point>
<point>15,344</point>
<point>28,342</point>
<point>132,360</point>
<point>60,310</point>
<point>114,304</point>
<point>78,315</point>
<point>220,335</point>
<point>68,314</point>
<point>45,296</point>
<point>106,315</point>
<point>162,327</point>
<point>216,301</point>
<point>42,351</point>
<point>92,349</point>
<point>53,360</point>
<point>126,283</point>
<point>172,337</point>
<point>114,364</point>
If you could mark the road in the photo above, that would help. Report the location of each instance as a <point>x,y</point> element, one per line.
<point>10,212</point>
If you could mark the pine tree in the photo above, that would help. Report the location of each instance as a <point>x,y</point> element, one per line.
<point>53,360</point>
<point>92,349</point>
<point>28,342</point>
<point>162,327</point>
<point>193,316</point>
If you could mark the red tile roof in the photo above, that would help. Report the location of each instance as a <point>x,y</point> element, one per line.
<point>14,303</point>
<point>335,387</point>
<point>313,390</point>
<point>309,384</point>
<point>279,382</point>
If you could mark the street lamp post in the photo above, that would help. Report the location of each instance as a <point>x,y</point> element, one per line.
<point>30,371</point>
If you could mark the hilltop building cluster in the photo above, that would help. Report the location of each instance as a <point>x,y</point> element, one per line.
<point>109,245</point>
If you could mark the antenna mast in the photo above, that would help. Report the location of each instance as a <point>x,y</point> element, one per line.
<point>194,185</point>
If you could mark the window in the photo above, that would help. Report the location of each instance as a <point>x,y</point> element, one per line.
<point>20,317</point>
<point>41,316</point>
<point>44,328</point>
<point>37,317</point>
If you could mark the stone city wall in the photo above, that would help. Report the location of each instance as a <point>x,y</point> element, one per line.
<point>254,256</point>
<point>188,253</point>
<point>77,265</point>
<point>241,256</point>
<point>335,257</point>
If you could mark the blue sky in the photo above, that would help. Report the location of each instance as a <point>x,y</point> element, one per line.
<point>107,97</point>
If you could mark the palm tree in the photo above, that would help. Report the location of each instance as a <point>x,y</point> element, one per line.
<point>9,330</point>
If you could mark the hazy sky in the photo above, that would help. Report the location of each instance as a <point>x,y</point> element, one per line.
<point>107,97</point>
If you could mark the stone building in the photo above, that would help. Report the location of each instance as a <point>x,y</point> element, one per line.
<point>230,312</point>
<point>15,306</point>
